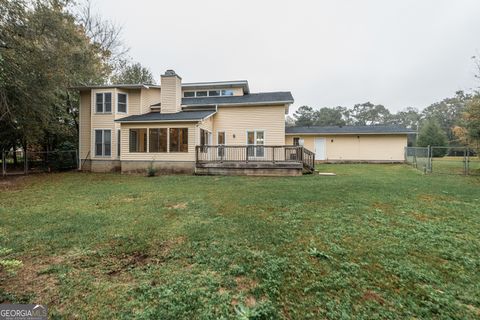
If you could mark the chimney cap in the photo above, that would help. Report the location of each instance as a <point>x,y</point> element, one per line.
<point>171,73</point>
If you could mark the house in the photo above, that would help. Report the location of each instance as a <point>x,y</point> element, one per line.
<point>352,143</point>
<point>206,128</point>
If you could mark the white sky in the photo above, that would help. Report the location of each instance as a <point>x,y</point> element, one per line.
<point>398,53</point>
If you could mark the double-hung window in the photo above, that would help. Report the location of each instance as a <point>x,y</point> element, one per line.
<point>103,143</point>
<point>103,102</point>
<point>255,142</point>
<point>122,103</point>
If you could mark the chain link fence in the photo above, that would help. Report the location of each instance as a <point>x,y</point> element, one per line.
<point>21,162</point>
<point>444,160</point>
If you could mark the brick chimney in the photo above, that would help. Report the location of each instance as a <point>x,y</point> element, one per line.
<point>171,92</point>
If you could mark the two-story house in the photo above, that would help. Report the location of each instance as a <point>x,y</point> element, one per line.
<point>211,127</point>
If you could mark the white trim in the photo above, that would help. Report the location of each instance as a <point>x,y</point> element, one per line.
<point>94,143</point>
<point>103,102</point>
<point>255,141</point>
<point>126,103</point>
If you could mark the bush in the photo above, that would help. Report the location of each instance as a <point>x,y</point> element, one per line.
<point>151,171</point>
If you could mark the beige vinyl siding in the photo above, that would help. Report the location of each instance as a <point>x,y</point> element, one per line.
<point>236,121</point>
<point>149,97</point>
<point>133,103</point>
<point>171,97</point>
<point>84,124</point>
<point>374,147</point>
<point>147,156</point>
<point>206,124</point>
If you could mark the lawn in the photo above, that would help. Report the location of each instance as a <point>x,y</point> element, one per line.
<point>375,241</point>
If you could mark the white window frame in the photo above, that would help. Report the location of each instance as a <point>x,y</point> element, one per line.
<point>103,102</point>
<point>255,140</point>
<point>126,103</point>
<point>119,142</point>
<point>220,149</point>
<point>103,142</point>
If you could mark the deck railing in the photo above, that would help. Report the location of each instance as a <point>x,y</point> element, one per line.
<point>250,153</point>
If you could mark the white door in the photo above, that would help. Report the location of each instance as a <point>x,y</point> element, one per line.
<point>320,148</point>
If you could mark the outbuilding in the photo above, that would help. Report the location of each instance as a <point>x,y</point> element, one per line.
<point>352,143</point>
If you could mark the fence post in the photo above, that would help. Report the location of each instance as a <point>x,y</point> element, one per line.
<point>467,161</point>
<point>25,161</point>
<point>430,162</point>
<point>273,154</point>
<point>4,165</point>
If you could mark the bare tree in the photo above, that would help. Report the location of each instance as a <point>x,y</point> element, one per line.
<point>104,33</point>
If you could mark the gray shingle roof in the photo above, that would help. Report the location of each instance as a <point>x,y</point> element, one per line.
<point>182,116</point>
<point>252,98</point>
<point>349,130</point>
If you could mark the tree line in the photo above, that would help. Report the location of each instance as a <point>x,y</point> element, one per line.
<point>47,47</point>
<point>454,121</point>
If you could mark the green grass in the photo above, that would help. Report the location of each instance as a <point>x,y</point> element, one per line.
<point>373,242</point>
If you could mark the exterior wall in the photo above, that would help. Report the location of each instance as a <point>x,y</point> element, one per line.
<point>149,97</point>
<point>375,147</point>
<point>235,121</point>
<point>85,131</point>
<point>126,155</point>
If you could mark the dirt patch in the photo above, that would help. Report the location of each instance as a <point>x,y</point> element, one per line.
<point>245,284</point>
<point>434,197</point>
<point>182,205</point>
<point>372,296</point>
<point>12,182</point>
<point>382,207</point>
<point>250,301</point>
<point>30,280</point>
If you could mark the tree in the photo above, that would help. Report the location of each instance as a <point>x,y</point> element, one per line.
<point>369,114</point>
<point>133,73</point>
<point>329,117</point>
<point>431,134</point>
<point>472,120</point>
<point>448,112</point>
<point>408,118</point>
<point>304,116</point>
<point>43,52</point>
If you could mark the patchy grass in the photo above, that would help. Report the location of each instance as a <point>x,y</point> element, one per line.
<point>375,241</point>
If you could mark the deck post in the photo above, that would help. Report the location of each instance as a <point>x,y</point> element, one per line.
<point>196,154</point>
<point>246,154</point>
<point>273,154</point>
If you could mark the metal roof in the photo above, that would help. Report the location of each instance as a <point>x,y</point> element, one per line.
<point>315,130</point>
<point>253,98</point>
<point>182,116</point>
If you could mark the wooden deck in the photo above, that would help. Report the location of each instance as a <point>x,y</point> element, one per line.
<point>254,160</point>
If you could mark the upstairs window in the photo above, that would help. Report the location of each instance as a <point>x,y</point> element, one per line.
<point>103,102</point>
<point>202,93</point>
<point>213,93</point>
<point>227,92</point>
<point>178,139</point>
<point>189,94</point>
<point>122,103</point>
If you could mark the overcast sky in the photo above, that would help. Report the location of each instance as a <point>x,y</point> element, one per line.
<point>398,53</point>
